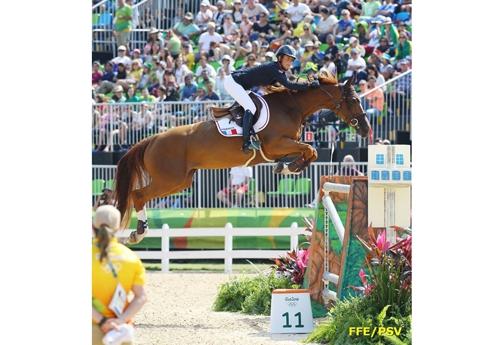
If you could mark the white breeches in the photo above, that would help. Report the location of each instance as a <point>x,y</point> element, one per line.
<point>239,94</point>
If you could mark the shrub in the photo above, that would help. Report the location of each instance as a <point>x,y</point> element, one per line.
<point>250,294</point>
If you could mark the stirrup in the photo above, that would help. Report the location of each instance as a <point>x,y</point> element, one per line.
<point>252,144</point>
<point>255,145</point>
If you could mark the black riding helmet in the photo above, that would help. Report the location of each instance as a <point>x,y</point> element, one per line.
<point>287,50</point>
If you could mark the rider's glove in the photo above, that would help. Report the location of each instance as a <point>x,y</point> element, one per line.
<point>314,84</point>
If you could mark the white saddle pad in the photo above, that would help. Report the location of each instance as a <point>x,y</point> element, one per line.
<point>229,128</point>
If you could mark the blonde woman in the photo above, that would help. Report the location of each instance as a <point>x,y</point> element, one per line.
<point>116,272</point>
<point>133,76</point>
<point>307,34</point>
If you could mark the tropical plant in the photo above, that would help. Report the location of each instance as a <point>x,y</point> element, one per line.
<point>389,267</point>
<point>294,265</point>
<point>385,300</point>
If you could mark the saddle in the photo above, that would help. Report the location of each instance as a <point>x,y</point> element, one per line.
<point>235,111</point>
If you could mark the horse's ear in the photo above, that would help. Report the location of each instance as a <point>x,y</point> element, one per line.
<point>324,74</point>
<point>352,79</point>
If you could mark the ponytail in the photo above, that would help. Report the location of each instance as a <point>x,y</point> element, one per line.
<point>104,235</point>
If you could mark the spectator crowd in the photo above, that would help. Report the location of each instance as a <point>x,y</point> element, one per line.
<point>189,57</point>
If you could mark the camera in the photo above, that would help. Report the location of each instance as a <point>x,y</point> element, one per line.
<point>104,197</point>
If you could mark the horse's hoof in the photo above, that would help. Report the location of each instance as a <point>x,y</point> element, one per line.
<point>135,238</point>
<point>279,168</point>
<point>298,165</point>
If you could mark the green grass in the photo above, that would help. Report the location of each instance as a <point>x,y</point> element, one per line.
<point>208,267</point>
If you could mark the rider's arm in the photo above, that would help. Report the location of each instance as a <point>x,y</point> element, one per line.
<point>283,80</point>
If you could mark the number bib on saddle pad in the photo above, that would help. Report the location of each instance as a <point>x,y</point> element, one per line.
<point>229,128</point>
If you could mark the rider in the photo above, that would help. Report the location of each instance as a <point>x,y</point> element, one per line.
<point>264,74</point>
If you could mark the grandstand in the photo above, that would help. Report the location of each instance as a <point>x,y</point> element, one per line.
<point>113,132</point>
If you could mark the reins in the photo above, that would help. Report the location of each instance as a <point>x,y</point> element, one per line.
<point>352,120</point>
<point>294,101</point>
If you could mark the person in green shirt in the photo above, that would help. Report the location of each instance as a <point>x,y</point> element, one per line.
<point>132,97</point>
<point>403,47</point>
<point>146,96</point>
<point>123,24</point>
<point>173,43</point>
<point>389,31</point>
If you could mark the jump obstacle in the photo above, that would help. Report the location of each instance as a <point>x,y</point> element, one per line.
<point>336,254</point>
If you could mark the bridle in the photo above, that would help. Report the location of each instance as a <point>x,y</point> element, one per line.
<point>352,120</point>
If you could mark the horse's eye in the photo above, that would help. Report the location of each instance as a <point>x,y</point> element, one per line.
<point>352,101</point>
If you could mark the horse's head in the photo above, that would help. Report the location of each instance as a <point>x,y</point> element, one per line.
<point>349,108</point>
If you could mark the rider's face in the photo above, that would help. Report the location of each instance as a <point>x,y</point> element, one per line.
<point>286,61</point>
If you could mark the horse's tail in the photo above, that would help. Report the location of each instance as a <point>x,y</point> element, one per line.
<point>130,174</point>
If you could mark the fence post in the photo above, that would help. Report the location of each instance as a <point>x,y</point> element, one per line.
<point>165,248</point>
<point>228,249</point>
<point>294,238</point>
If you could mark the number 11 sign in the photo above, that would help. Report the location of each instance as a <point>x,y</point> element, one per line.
<point>291,311</point>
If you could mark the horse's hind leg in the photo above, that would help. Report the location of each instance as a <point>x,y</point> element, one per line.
<point>139,198</point>
<point>156,189</point>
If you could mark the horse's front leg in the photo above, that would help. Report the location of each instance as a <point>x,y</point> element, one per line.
<point>289,147</point>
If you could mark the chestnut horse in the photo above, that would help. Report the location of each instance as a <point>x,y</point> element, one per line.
<point>165,163</point>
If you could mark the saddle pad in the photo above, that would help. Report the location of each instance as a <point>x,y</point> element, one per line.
<point>229,128</point>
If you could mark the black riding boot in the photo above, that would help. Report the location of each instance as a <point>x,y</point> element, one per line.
<point>247,132</point>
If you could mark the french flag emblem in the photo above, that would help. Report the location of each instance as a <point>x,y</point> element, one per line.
<point>230,132</point>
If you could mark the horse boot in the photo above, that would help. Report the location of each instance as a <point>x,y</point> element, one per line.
<point>248,132</point>
<point>134,236</point>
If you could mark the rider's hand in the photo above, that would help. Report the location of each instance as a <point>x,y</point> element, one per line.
<point>314,84</point>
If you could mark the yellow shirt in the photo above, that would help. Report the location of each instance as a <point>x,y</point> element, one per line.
<point>128,268</point>
<point>190,60</point>
<point>284,5</point>
<point>136,74</point>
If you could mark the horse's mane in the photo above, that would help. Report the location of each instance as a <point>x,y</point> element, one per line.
<point>324,77</point>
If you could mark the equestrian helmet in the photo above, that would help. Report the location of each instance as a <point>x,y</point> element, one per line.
<point>287,50</point>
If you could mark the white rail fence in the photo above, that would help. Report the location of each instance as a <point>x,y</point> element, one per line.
<point>228,253</point>
<point>208,182</point>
